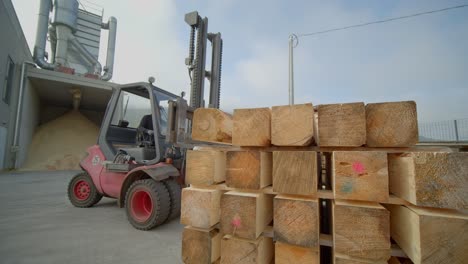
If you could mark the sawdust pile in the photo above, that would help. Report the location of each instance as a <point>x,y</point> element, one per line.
<point>61,143</point>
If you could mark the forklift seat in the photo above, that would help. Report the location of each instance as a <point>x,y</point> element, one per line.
<point>146,122</point>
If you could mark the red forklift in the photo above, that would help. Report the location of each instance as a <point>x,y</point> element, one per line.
<point>139,158</point>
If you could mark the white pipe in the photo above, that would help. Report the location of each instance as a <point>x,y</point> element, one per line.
<point>291,70</point>
<point>41,35</point>
<point>63,34</point>
<point>111,25</point>
<point>53,43</point>
<point>19,109</point>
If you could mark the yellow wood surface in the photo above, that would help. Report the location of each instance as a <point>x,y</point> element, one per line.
<point>296,220</point>
<point>295,172</point>
<point>252,127</point>
<point>248,169</point>
<point>393,124</point>
<point>360,175</point>
<point>361,230</point>
<point>430,235</point>
<point>342,259</point>
<point>236,250</point>
<point>292,125</point>
<point>291,254</point>
<point>430,179</point>
<point>342,125</point>
<point>245,215</point>
<point>200,207</point>
<point>212,125</point>
<point>205,167</point>
<point>200,246</point>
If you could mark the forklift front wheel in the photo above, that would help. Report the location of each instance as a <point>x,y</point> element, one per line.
<point>147,204</point>
<point>175,194</point>
<point>82,192</point>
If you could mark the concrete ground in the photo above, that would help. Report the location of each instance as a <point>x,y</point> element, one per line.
<point>39,225</point>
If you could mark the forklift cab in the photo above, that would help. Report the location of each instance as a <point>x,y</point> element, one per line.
<point>135,124</point>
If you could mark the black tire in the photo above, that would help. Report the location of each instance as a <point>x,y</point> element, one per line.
<point>82,192</point>
<point>137,208</point>
<point>175,193</point>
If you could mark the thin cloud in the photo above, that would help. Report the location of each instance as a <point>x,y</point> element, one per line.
<point>420,59</point>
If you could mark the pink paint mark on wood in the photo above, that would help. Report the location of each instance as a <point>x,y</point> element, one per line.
<point>358,167</point>
<point>236,222</point>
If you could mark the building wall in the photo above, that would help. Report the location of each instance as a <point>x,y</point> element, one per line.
<point>13,44</point>
<point>28,122</point>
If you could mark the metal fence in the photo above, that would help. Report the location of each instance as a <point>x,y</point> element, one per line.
<point>444,131</point>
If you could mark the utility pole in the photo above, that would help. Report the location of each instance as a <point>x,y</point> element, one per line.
<point>291,68</point>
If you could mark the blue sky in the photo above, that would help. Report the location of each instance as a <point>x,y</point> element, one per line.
<point>422,59</point>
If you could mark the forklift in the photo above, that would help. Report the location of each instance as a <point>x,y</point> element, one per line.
<point>139,158</point>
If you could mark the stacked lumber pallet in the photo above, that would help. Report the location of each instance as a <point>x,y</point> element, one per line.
<point>201,206</point>
<point>338,183</point>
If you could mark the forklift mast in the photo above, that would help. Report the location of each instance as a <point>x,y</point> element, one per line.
<point>179,113</point>
<point>196,61</point>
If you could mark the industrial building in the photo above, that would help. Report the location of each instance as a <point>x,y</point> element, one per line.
<point>33,96</point>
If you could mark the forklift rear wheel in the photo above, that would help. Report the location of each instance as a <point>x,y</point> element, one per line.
<point>147,204</point>
<point>82,192</point>
<point>174,192</point>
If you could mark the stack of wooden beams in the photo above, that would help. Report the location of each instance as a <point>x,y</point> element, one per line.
<point>299,182</point>
<point>201,206</point>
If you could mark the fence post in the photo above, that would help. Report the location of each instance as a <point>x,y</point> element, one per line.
<point>456,130</point>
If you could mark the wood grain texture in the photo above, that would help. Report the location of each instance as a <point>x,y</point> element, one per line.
<point>292,125</point>
<point>430,235</point>
<point>346,261</point>
<point>200,207</point>
<point>430,179</point>
<point>248,169</point>
<point>341,259</point>
<point>417,148</point>
<point>291,254</point>
<point>205,167</point>
<point>393,124</point>
<point>295,172</point>
<point>296,221</point>
<point>245,215</point>
<point>212,125</point>
<point>342,125</point>
<point>322,194</point>
<point>252,127</point>
<point>236,250</point>
<point>200,246</point>
<point>360,175</point>
<point>361,230</point>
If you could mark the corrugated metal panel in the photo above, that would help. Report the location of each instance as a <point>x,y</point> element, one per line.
<point>89,31</point>
<point>85,15</point>
<point>88,24</point>
<point>92,31</point>
<point>89,35</point>
<point>87,42</point>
